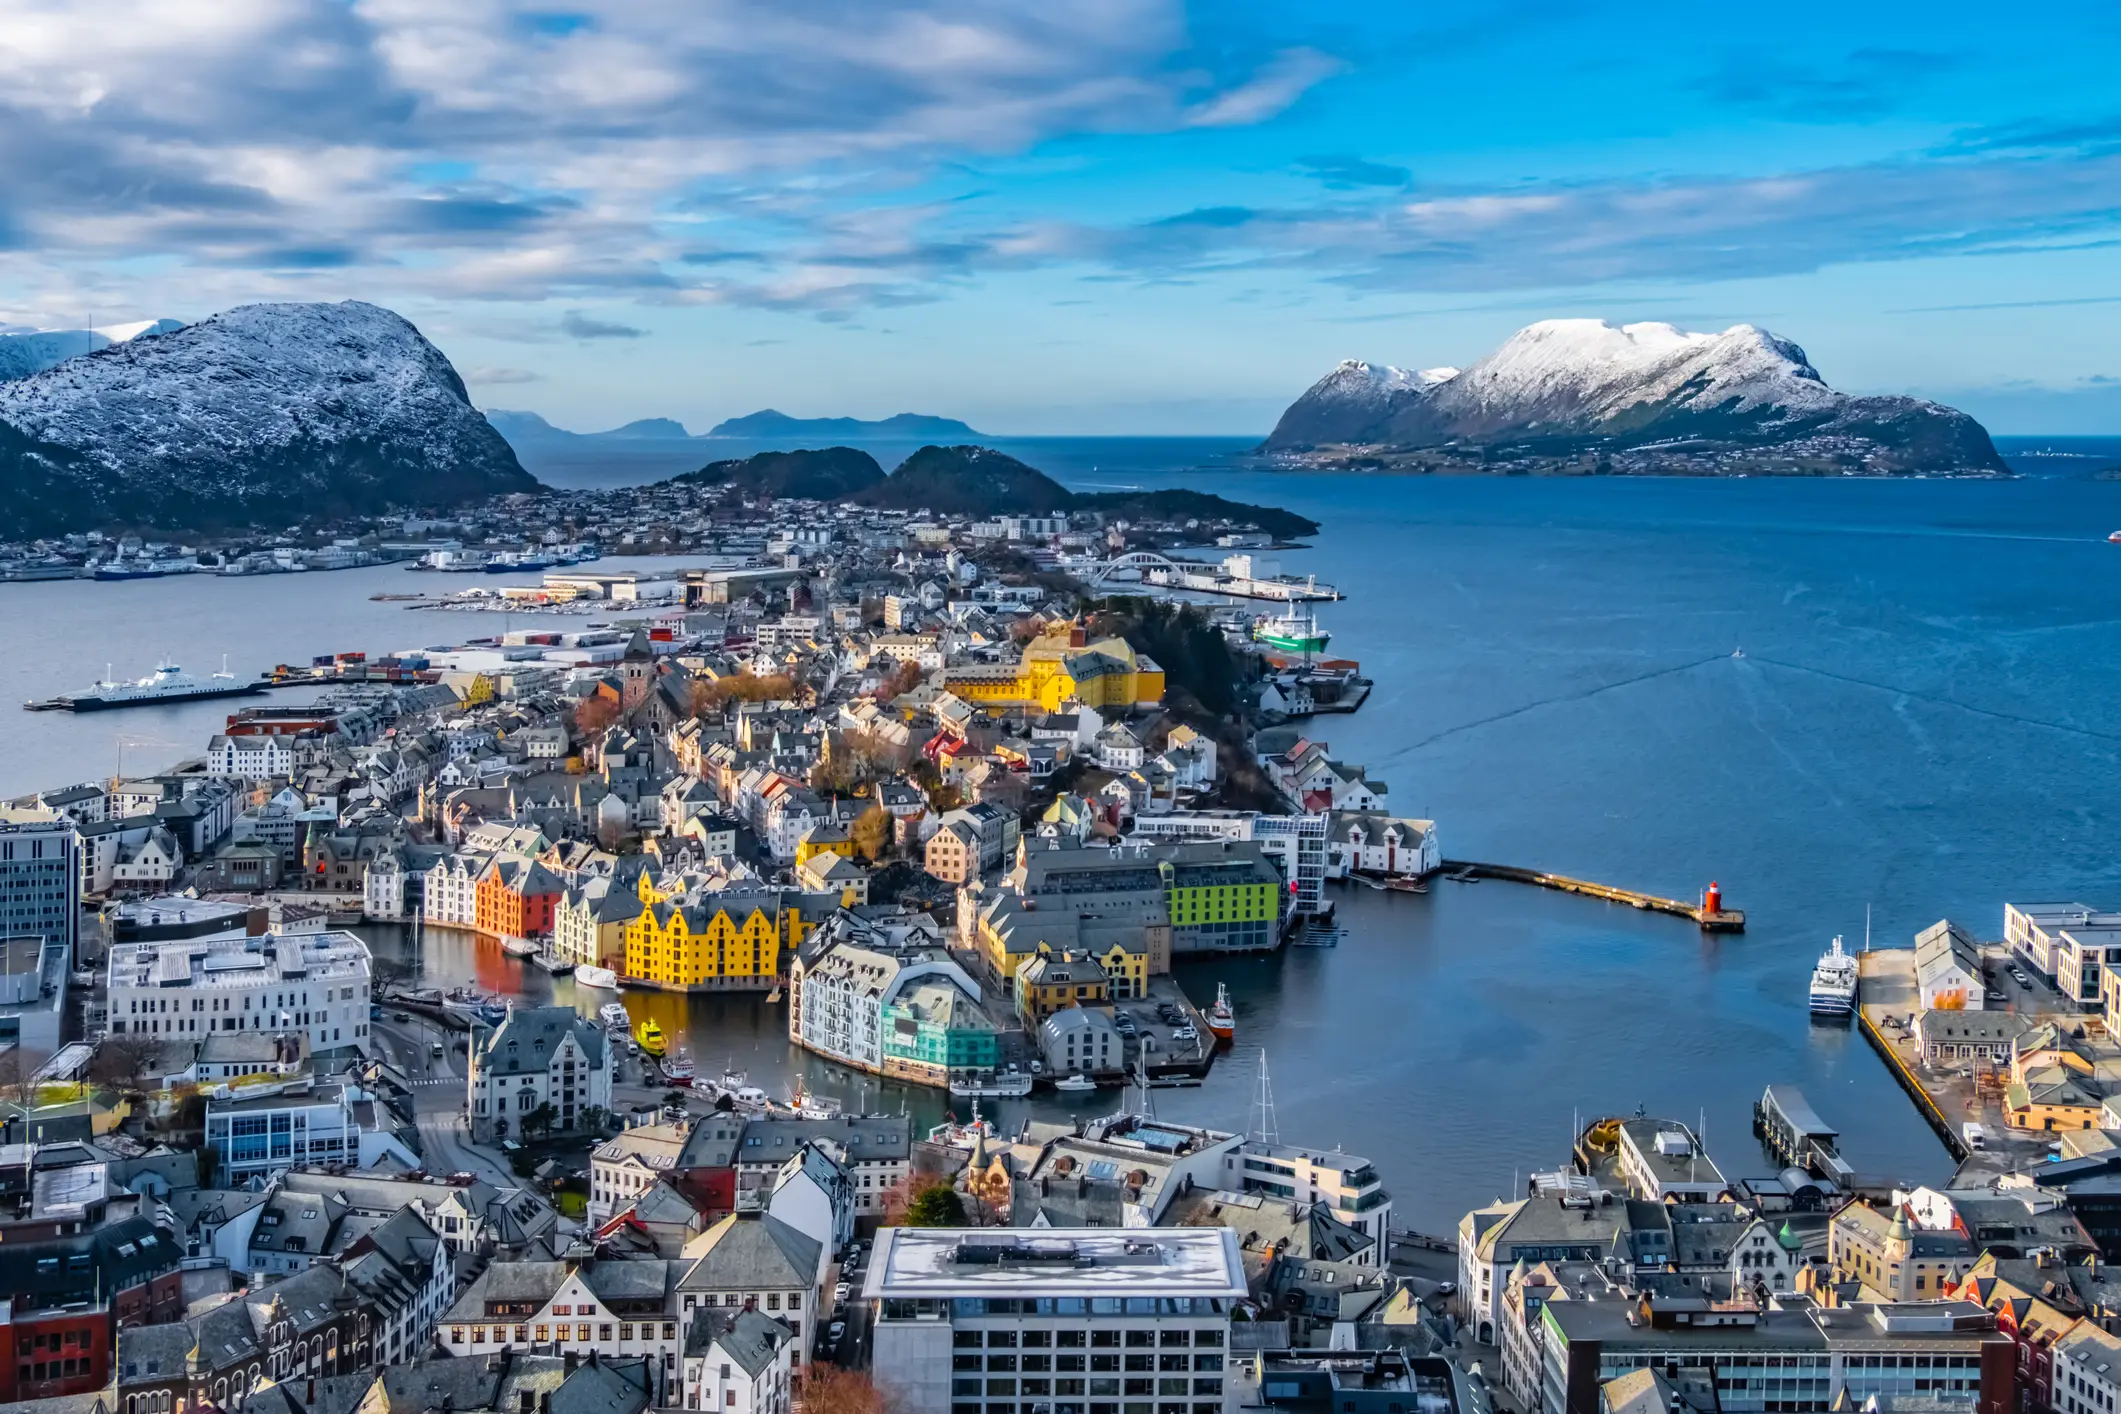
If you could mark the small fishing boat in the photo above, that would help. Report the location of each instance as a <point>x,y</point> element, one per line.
<point>677,1067</point>
<point>1075,1084</point>
<point>1222,1021</point>
<point>519,947</point>
<point>966,1135</point>
<point>649,1037</point>
<point>602,977</point>
<point>548,961</point>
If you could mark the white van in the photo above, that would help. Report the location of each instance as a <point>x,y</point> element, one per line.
<point>1975,1135</point>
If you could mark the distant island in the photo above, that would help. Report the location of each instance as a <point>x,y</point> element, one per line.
<point>770,425</point>
<point>1582,397</point>
<point>974,481</point>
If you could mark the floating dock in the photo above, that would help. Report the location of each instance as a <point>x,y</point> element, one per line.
<point>1709,913</point>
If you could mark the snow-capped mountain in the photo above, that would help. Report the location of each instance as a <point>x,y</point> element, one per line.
<point>31,351</point>
<point>259,415</point>
<point>1577,387</point>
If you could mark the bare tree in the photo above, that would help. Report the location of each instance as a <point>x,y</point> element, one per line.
<point>828,1389</point>
<point>122,1060</point>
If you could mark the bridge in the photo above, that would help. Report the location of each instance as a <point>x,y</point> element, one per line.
<point>1137,561</point>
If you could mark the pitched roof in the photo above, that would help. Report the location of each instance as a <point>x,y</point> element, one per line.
<point>750,1251</point>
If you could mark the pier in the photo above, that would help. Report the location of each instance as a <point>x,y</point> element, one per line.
<point>1709,914</point>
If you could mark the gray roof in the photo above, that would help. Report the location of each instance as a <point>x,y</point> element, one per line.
<point>749,1338</point>
<point>868,1139</point>
<point>751,1252</point>
<point>523,1044</point>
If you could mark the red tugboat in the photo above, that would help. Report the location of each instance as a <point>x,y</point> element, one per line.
<point>1222,1022</point>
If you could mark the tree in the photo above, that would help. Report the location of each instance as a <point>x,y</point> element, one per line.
<point>871,833</point>
<point>937,1205</point>
<point>18,1068</point>
<point>593,714</point>
<point>596,1119</point>
<point>903,679</point>
<point>540,1120</point>
<point>387,974</point>
<point>828,1389</point>
<point>122,1060</point>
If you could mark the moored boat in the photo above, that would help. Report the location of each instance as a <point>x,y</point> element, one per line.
<point>550,961</point>
<point>1222,1021</point>
<point>962,1135</point>
<point>519,947</point>
<point>1006,1086</point>
<point>585,976</point>
<point>1292,633</point>
<point>1833,990</point>
<point>612,1014</point>
<point>649,1037</point>
<point>168,683</point>
<point>1075,1084</point>
<point>677,1067</point>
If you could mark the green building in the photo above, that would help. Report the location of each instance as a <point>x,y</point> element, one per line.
<point>1222,898</point>
<point>935,1029</point>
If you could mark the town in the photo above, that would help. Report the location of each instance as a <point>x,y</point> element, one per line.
<point>937,798</point>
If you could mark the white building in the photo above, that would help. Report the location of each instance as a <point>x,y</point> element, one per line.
<point>958,1310</point>
<point>624,1167</point>
<point>250,758</point>
<point>876,1151</point>
<point>256,1135</point>
<point>842,993</point>
<point>739,1362</point>
<point>408,1277</point>
<point>539,1056</point>
<point>1347,1186</point>
<point>450,892</point>
<point>814,1194</point>
<point>754,1259</point>
<point>2087,1371</point>
<point>616,1308</point>
<point>184,988</point>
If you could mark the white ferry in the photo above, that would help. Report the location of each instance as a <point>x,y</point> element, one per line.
<point>168,683</point>
<point>1834,983</point>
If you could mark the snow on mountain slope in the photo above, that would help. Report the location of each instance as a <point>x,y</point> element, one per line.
<point>261,414</point>
<point>33,351</point>
<point>1566,385</point>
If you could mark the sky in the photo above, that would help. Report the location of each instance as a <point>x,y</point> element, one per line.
<point>1080,216</point>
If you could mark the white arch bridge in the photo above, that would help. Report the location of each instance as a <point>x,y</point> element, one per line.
<point>1137,561</point>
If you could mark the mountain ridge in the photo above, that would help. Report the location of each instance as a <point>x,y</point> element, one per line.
<point>262,414</point>
<point>1583,394</point>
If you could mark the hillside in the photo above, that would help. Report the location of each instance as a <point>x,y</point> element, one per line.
<point>826,474</point>
<point>1582,395</point>
<point>972,481</point>
<point>772,426</point>
<point>261,415</point>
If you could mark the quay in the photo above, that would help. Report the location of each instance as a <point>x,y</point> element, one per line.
<point>1886,994</point>
<point>1710,913</point>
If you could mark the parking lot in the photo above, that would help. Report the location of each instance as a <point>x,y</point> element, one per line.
<point>1164,1027</point>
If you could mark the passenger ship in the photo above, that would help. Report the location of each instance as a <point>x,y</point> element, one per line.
<point>1834,983</point>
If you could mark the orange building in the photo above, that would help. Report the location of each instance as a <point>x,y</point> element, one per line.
<point>516,897</point>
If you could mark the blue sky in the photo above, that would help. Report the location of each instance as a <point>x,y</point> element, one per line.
<point>1094,216</point>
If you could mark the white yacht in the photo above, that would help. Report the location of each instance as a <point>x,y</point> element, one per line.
<point>614,1017</point>
<point>1834,982</point>
<point>586,976</point>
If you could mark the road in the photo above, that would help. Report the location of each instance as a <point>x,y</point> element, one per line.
<point>437,1095</point>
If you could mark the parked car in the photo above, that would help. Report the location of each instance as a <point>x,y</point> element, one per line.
<point>842,1292</point>
<point>401,1016</point>
<point>836,1332</point>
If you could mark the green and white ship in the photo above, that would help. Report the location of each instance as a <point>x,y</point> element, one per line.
<point>1292,633</point>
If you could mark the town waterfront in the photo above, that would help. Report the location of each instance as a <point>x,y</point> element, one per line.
<point>1924,720</point>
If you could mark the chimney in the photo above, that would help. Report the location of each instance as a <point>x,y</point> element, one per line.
<point>526,1401</point>
<point>545,1402</point>
<point>570,1359</point>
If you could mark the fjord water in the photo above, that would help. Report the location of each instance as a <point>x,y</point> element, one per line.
<point>1925,720</point>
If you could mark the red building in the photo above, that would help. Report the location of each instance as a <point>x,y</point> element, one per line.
<point>71,1292</point>
<point>516,897</point>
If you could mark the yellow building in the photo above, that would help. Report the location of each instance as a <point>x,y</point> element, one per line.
<point>1011,935</point>
<point>1059,665</point>
<point>713,941</point>
<point>828,838</point>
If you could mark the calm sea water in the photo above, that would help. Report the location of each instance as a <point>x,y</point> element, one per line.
<point>1924,720</point>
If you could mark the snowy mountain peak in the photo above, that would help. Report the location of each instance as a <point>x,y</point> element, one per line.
<point>29,351</point>
<point>261,414</point>
<point>1584,383</point>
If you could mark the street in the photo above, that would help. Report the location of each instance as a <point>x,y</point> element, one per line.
<point>437,1094</point>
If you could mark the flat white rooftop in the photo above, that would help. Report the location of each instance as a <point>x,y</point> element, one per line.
<point>924,1263</point>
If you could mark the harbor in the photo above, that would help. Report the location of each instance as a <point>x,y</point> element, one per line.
<point>1709,913</point>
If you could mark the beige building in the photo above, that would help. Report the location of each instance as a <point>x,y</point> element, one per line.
<point>1892,1257</point>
